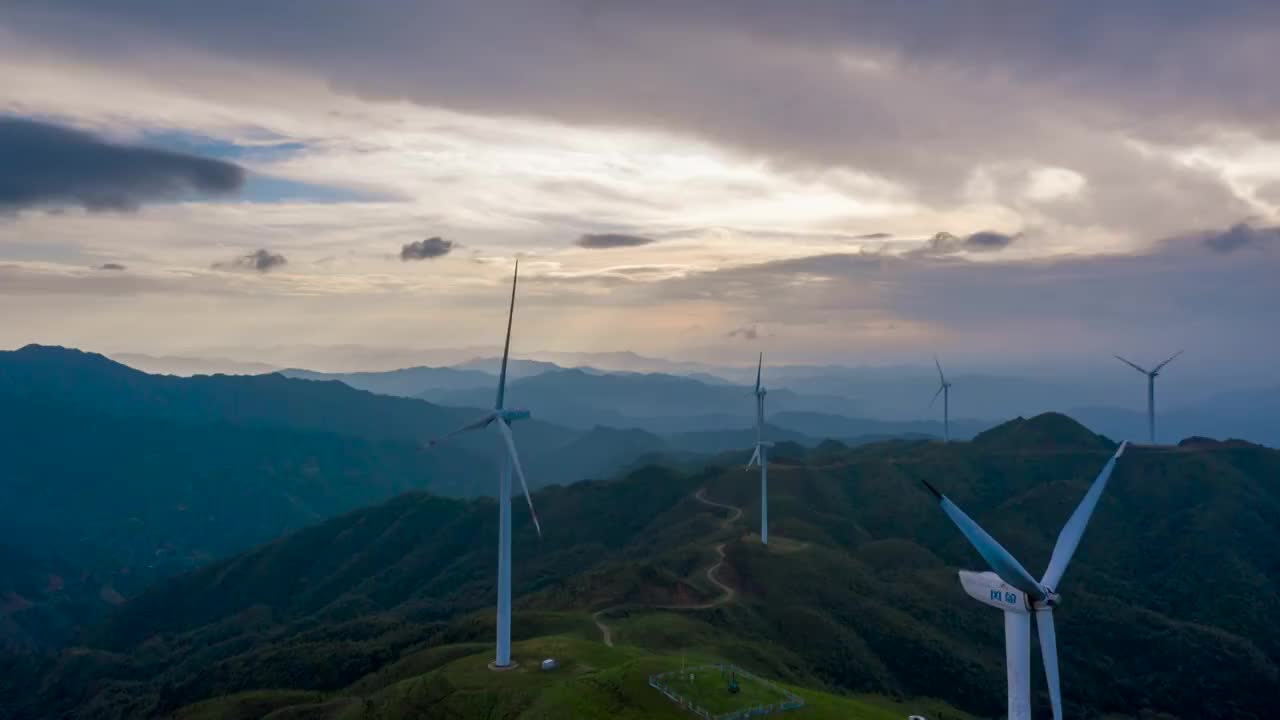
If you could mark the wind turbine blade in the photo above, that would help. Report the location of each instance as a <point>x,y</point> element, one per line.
<point>935,395</point>
<point>1069,538</point>
<point>1132,365</point>
<point>1049,651</point>
<point>1166,362</point>
<point>755,458</point>
<point>506,348</point>
<point>941,377</point>
<point>759,368</point>
<point>482,422</point>
<point>515,461</point>
<point>1000,560</point>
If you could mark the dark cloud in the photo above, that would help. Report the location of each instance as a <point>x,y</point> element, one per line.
<point>874,236</point>
<point>598,241</point>
<point>258,261</point>
<point>1066,74</point>
<point>988,240</point>
<point>944,243</point>
<point>432,247</point>
<point>1083,86</point>
<point>46,165</point>
<point>748,332</point>
<point>1241,235</point>
<point>111,266</point>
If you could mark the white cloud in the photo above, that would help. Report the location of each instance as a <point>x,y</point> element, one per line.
<point>735,139</point>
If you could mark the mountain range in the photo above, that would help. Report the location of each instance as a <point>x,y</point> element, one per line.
<point>115,469</point>
<point>386,611</point>
<point>660,403</point>
<point>836,401</point>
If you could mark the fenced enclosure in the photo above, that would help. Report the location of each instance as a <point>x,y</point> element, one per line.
<point>703,691</point>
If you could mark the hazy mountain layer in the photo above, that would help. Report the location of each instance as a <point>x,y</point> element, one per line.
<point>118,471</point>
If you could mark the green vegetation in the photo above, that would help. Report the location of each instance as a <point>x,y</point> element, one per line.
<point>248,705</point>
<point>387,612</point>
<point>592,682</point>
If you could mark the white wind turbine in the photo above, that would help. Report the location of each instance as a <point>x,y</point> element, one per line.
<point>760,456</point>
<point>1151,374</point>
<point>507,459</point>
<point>1012,589</point>
<point>944,389</point>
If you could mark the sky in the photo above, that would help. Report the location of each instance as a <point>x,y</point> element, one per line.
<point>826,180</point>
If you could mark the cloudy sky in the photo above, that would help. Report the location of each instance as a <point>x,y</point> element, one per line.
<point>831,180</point>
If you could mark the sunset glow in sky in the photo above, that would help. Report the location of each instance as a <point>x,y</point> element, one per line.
<point>849,181</point>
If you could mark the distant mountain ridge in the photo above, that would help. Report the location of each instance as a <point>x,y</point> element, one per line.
<point>659,403</point>
<point>408,382</point>
<point>116,469</point>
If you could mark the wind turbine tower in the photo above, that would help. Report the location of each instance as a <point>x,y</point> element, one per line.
<point>760,456</point>
<point>944,389</point>
<point>1012,589</point>
<point>1151,374</point>
<point>508,460</point>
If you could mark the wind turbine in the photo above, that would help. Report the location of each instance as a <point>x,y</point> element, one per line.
<point>508,459</point>
<point>1151,374</point>
<point>1012,589</point>
<point>944,389</point>
<point>760,456</point>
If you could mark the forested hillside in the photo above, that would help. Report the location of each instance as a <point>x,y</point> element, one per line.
<point>857,591</point>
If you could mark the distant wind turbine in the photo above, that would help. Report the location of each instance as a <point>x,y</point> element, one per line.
<point>1012,589</point>
<point>507,459</point>
<point>1151,374</point>
<point>760,457</point>
<point>944,389</point>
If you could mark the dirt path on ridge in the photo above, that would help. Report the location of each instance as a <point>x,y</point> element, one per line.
<point>727,591</point>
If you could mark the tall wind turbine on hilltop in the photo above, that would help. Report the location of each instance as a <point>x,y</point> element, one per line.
<point>1012,589</point>
<point>944,389</point>
<point>508,459</point>
<point>760,456</point>
<point>1151,374</point>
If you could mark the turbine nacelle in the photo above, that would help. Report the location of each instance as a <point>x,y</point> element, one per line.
<point>988,589</point>
<point>513,415</point>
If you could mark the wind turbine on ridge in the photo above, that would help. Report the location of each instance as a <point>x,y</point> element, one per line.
<point>760,456</point>
<point>508,459</point>
<point>1012,589</point>
<point>1151,374</point>
<point>944,389</point>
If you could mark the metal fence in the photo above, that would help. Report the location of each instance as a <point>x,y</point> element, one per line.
<point>792,701</point>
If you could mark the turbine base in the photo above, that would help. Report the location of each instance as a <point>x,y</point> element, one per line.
<point>503,668</point>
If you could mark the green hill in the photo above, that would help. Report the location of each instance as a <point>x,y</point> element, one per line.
<point>386,612</point>
<point>1049,432</point>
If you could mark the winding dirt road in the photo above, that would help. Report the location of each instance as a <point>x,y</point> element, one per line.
<point>727,592</point>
